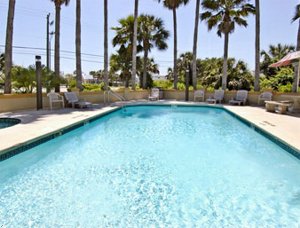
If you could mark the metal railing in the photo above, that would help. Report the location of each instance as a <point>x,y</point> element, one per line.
<point>109,93</point>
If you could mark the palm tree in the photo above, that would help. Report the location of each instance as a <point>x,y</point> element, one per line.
<point>122,62</point>
<point>134,46</point>
<point>274,54</point>
<point>58,4</point>
<point>224,14</point>
<point>173,5</point>
<point>257,46</point>
<point>151,68</point>
<point>296,76</point>
<point>8,45</point>
<point>78,46</point>
<point>152,33</point>
<point>105,46</point>
<point>194,63</point>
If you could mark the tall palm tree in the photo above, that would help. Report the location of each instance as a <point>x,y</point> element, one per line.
<point>153,34</point>
<point>105,46</point>
<point>194,63</point>
<point>58,4</point>
<point>8,45</point>
<point>224,14</point>
<point>78,46</point>
<point>257,45</point>
<point>173,5</point>
<point>134,46</point>
<point>296,76</point>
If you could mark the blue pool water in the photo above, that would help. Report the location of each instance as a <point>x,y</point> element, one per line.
<point>8,122</point>
<point>153,166</point>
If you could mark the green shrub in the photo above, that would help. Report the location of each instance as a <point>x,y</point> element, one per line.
<point>164,84</point>
<point>93,87</point>
<point>285,88</point>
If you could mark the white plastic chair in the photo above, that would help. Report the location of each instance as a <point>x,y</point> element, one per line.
<point>73,99</point>
<point>265,96</point>
<point>218,97</point>
<point>240,98</point>
<point>199,94</point>
<point>154,95</point>
<point>55,98</point>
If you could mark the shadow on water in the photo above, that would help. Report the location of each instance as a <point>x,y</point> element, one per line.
<point>148,112</point>
<point>295,198</point>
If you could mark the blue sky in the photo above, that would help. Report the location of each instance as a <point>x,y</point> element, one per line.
<point>30,31</point>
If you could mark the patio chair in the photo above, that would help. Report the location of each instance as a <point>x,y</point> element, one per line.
<point>72,98</point>
<point>218,97</point>
<point>240,98</point>
<point>265,96</point>
<point>55,98</point>
<point>154,95</point>
<point>199,94</point>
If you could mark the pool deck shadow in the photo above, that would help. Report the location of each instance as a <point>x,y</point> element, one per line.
<point>36,124</point>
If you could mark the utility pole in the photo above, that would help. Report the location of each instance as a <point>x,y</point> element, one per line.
<point>48,42</point>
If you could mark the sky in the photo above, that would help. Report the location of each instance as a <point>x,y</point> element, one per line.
<point>30,31</point>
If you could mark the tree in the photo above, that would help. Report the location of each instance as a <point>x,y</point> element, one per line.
<point>224,15</point>
<point>8,45</point>
<point>153,34</point>
<point>151,68</point>
<point>173,5</point>
<point>257,45</point>
<point>296,76</point>
<point>2,62</point>
<point>122,62</point>
<point>194,63</point>
<point>58,4</point>
<point>124,39</point>
<point>274,54</point>
<point>78,46</point>
<point>105,46</point>
<point>134,46</point>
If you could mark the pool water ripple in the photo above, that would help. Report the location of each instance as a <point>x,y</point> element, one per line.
<point>153,167</point>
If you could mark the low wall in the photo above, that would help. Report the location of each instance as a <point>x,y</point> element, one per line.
<point>14,102</point>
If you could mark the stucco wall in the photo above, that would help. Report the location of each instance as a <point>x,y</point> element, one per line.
<point>13,102</point>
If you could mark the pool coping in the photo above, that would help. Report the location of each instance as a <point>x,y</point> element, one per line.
<point>22,147</point>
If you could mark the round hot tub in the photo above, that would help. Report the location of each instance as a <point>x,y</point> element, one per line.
<point>8,122</point>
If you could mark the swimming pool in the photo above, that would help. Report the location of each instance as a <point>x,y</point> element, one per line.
<point>8,122</point>
<point>160,166</point>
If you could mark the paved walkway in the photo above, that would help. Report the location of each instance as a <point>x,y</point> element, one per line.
<point>36,124</point>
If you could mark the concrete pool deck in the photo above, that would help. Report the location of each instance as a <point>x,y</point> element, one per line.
<point>37,124</point>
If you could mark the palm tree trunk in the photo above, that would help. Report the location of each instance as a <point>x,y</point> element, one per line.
<point>78,46</point>
<point>136,7</point>
<point>8,46</point>
<point>224,76</point>
<point>175,48</point>
<point>194,64</point>
<point>105,46</point>
<point>56,47</point>
<point>145,67</point>
<point>257,46</point>
<point>297,70</point>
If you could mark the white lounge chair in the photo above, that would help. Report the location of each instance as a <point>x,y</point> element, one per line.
<point>199,94</point>
<point>240,98</point>
<point>55,98</point>
<point>154,95</point>
<point>218,97</point>
<point>265,96</point>
<point>73,99</point>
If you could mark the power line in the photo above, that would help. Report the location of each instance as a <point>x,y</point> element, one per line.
<point>72,52</point>
<point>44,49</point>
<point>62,57</point>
